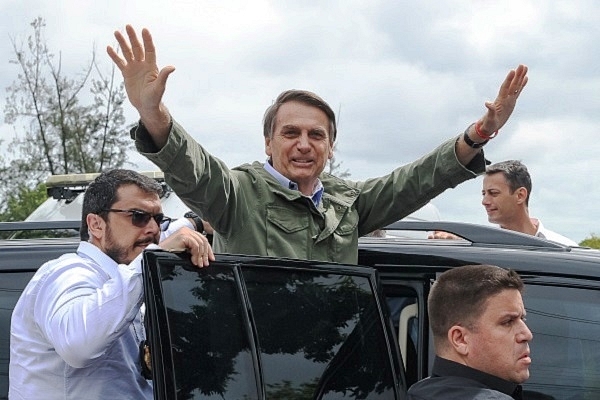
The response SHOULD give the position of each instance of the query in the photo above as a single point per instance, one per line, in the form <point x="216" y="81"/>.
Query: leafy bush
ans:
<point x="593" y="242"/>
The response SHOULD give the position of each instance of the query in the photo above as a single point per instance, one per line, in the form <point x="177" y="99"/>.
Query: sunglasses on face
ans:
<point x="141" y="218"/>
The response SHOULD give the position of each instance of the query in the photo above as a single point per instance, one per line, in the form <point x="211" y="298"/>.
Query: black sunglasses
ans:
<point x="142" y="218"/>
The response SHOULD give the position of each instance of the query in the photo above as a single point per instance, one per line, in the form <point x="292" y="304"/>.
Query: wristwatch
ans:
<point x="197" y="220"/>
<point x="470" y="142"/>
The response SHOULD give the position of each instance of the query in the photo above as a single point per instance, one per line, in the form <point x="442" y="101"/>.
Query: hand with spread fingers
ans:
<point x="144" y="83"/>
<point x="498" y="112"/>
<point x="193" y="242"/>
<point x="500" y="109"/>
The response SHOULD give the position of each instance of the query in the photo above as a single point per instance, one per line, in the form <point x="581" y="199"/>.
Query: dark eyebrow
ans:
<point x="513" y="314"/>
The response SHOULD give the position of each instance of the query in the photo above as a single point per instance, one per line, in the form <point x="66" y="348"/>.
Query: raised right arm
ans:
<point x="144" y="83"/>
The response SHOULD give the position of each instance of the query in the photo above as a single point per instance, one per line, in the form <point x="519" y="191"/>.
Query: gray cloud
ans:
<point x="404" y="75"/>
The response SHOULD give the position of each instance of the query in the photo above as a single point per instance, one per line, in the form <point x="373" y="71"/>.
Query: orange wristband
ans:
<point x="483" y="135"/>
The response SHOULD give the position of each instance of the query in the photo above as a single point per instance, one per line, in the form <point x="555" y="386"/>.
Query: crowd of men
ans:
<point x="77" y="328"/>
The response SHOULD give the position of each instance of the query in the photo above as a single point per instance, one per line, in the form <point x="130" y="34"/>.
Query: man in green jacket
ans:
<point x="288" y="207"/>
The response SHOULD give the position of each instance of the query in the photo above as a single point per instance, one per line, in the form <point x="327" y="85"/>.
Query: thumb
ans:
<point x="490" y="106"/>
<point x="164" y="74"/>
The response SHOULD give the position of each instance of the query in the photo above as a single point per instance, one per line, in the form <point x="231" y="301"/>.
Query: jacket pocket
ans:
<point x="288" y="232"/>
<point x="286" y="219"/>
<point x="345" y="238"/>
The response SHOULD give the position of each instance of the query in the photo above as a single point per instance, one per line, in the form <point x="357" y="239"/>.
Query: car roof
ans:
<point x="480" y="245"/>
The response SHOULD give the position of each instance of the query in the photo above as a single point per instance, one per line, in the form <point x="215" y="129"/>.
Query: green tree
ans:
<point x="593" y="242"/>
<point x="22" y="203"/>
<point x="60" y="134"/>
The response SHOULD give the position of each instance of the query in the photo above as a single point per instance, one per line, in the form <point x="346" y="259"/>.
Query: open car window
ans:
<point x="254" y="328"/>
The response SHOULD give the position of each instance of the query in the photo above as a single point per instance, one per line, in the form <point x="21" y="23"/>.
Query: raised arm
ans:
<point x="144" y="83"/>
<point x="496" y="116"/>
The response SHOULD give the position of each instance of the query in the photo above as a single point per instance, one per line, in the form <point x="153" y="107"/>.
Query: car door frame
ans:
<point x="158" y="326"/>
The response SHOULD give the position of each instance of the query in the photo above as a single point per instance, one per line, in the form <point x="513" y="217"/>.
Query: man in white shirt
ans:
<point x="77" y="327"/>
<point x="506" y="191"/>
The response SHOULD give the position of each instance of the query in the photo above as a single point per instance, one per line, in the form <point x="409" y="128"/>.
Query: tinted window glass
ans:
<point x="565" y="349"/>
<point x="210" y="346"/>
<point x="296" y="334"/>
<point x="320" y="335"/>
<point x="11" y="286"/>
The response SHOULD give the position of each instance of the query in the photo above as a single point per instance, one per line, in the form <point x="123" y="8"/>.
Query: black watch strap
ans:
<point x="470" y="142"/>
<point x="197" y="220"/>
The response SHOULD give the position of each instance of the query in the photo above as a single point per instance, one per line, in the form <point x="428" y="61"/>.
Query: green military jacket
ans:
<point x="252" y="213"/>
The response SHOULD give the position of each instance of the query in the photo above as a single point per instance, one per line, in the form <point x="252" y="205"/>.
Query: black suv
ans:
<point x="268" y="328"/>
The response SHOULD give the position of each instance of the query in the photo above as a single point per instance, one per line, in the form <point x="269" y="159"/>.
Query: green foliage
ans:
<point x="62" y="124"/>
<point x="20" y="204"/>
<point x="593" y="242"/>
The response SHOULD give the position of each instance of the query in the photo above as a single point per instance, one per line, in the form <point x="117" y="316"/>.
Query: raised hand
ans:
<point x="144" y="83"/>
<point x="500" y="109"/>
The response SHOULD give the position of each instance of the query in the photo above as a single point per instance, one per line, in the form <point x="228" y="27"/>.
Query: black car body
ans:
<point x="267" y="328"/>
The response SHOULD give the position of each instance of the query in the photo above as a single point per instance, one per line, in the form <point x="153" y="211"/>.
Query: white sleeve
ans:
<point x="82" y="309"/>
<point x="175" y="226"/>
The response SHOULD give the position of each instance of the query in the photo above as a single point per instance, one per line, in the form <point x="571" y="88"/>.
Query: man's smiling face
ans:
<point x="301" y="144"/>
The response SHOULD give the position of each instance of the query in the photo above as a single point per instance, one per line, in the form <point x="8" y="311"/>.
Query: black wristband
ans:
<point x="197" y="220"/>
<point x="470" y="142"/>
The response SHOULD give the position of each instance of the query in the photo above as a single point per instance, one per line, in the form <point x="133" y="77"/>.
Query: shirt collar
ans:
<point x="444" y="367"/>
<point x="318" y="190"/>
<point x="92" y="252"/>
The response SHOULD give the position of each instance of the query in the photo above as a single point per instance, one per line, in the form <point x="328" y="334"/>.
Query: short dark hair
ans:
<point x="515" y="173"/>
<point x="458" y="296"/>
<point x="101" y="194"/>
<point x="301" y="96"/>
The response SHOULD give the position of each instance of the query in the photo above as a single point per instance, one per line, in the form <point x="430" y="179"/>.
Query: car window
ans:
<point x="565" y="349"/>
<point x="210" y="349"/>
<point x="319" y="333"/>
<point x="403" y="308"/>
<point x="252" y="331"/>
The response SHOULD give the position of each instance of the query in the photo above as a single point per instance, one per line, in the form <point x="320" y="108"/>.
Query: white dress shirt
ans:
<point x="551" y="235"/>
<point x="176" y="225"/>
<point x="76" y="329"/>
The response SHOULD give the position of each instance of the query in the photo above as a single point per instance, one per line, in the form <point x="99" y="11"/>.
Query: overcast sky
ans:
<point x="403" y="75"/>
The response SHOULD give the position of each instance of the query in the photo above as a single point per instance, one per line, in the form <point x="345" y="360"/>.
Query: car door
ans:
<point x="263" y="328"/>
<point x="564" y="316"/>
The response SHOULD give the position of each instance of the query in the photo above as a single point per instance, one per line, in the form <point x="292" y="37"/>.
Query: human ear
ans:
<point x="521" y="194"/>
<point x="458" y="339"/>
<point x="96" y="225"/>
<point x="268" y="150"/>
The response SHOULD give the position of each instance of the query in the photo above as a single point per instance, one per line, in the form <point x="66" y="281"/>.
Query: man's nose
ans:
<point x="525" y="335"/>
<point x="153" y="226"/>
<point x="303" y="140"/>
